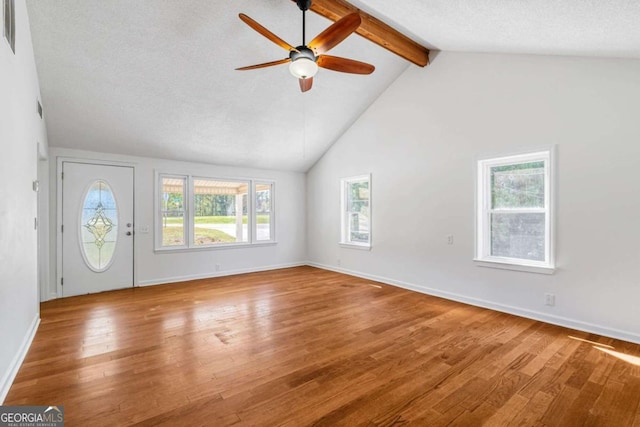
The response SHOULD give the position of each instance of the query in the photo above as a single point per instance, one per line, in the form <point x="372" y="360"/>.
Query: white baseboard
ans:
<point x="522" y="312"/>
<point x="210" y="275"/>
<point x="10" y="375"/>
<point x="52" y="295"/>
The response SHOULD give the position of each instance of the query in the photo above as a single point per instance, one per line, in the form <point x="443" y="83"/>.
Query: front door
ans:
<point x="97" y="228"/>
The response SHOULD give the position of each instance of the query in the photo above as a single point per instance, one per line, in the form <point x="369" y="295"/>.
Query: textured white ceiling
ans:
<point x="608" y="28"/>
<point x="156" y="77"/>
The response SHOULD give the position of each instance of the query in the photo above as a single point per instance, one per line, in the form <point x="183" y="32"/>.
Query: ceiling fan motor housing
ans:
<point x="302" y="52"/>
<point x="304" y="4"/>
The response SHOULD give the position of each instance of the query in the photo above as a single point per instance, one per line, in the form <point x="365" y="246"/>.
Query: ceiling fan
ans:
<point x="305" y="59"/>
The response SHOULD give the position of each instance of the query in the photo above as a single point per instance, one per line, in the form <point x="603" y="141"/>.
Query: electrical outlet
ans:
<point x="338" y="261"/>
<point x="549" y="299"/>
<point x="218" y="267"/>
<point x="450" y="239"/>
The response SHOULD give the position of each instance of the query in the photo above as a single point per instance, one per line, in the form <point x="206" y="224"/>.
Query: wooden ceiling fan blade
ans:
<point x="337" y="32"/>
<point x="266" y="33"/>
<point x="344" y="65"/>
<point x="266" y="64"/>
<point x="305" y="84"/>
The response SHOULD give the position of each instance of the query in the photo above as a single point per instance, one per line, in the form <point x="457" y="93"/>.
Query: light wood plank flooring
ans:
<point x="306" y="346"/>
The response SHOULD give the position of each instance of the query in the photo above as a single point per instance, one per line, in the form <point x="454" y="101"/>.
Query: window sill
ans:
<point x="514" y="267"/>
<point x="214" y="247"/>
<point x="355" y="246"/>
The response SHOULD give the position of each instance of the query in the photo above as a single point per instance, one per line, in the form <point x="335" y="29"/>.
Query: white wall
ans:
<point x="420" y="140"/>
<point x="162" y="267"/>
<point x="20" y="131"/>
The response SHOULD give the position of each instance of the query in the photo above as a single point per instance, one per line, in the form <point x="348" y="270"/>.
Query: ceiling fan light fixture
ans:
<point x="305" y="59"/>
<point x="303" y="68"/>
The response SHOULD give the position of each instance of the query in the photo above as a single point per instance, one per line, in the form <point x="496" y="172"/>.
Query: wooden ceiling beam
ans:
<point x="374" y="30"/>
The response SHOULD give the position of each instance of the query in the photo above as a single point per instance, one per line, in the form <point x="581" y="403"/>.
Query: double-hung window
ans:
<point x="356" y="211"/>
<point x="514" y="212"/>
<point x="264" y="211"/>
<point x="172" y="210"/>
<point x="201" y="212"/>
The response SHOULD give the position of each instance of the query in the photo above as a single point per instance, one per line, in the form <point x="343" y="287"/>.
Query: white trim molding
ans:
<point x="566" y="322"/>
<point x="211" y="275"/>
<point x="10" y="375"/>
<point x="512" y="267"/>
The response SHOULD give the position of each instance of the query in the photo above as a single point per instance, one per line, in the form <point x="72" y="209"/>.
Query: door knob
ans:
<point x="128" y="233"/>
<point x="129" y="224"/>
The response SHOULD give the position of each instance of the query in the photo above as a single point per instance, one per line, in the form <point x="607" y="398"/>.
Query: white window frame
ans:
<point x="189" y="210"/>
<point x="344" y="213"/>
<point x="483" y="255"/>
<point x="272" y="213"/>
<point x="158" y="211"/>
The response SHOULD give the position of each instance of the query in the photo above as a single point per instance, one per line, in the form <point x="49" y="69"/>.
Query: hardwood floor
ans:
<point x="306" y="346"/>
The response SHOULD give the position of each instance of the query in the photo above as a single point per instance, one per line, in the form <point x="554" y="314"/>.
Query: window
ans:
<point x="10" y="23"/>
<point x="356" y="211"/>
<point x="99" y="226"/>
<point x="172" y="211"/>
<point x="264" y="206"/>
<point x="514" y="218"/>
<point x="199" y="212"/>
<point x="220" y="211"/>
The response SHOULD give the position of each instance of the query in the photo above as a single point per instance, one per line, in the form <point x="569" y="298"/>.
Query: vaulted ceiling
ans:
<point x="156" y="78"/>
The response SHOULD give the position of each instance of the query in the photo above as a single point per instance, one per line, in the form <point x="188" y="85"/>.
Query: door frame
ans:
<point x="43" y="223"/>
<point x="59" y="254"/>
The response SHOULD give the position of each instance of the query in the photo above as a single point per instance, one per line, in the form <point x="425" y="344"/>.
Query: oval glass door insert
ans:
<point x="98" y="226"/>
